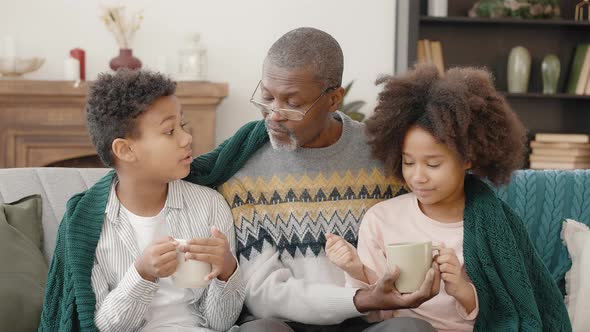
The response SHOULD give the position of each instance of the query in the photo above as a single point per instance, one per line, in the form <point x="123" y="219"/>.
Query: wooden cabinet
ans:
<point x="43" y="122"/>
<point x="486" y="42"/>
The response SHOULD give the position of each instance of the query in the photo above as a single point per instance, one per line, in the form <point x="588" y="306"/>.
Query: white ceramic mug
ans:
<point x="413" y="259"/>
<point x="189" y="273"/>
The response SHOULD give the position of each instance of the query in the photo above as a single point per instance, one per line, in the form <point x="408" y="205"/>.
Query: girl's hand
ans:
<point x="344" y="255"/>
<point x="451" y="271"/>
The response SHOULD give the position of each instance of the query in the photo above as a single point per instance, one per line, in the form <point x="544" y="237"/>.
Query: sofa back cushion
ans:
<point x="55" y="185"/>
<point x="543" y="199"/>
<point x="23" y="269"/>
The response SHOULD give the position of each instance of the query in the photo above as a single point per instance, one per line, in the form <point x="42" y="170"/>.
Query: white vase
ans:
<point x="437" y="8"/>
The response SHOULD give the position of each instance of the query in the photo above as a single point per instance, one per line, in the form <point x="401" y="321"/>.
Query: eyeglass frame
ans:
<point x="270" y="109"/>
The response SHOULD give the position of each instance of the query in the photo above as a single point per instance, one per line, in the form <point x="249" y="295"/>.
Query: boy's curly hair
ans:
<point x="461" y="109"/>
<point x="116" y="100"/>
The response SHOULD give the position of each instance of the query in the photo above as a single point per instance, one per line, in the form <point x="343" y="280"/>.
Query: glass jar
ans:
<point x="192" y="60"/>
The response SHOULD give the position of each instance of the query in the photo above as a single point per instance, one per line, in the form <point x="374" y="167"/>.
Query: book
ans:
<point x="559" y="165"/>
<point x="428" y="51"/>
<point x="559" y="145"/>
<point x="584" y="74"/>
<point x="577" y="62"/>
<point x="565" y="158"/>
<point x="437" y="56"/>
<point x="569" y="138"/>
<point x="421" y="52"/>
<point x="561" y="152"/>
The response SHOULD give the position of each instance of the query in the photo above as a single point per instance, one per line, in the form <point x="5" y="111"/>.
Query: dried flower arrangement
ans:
<point x="114" y="19"/>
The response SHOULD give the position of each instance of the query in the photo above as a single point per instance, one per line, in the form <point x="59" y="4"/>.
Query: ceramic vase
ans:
<point x="125" y="59"/>
<point x="518" y="70"/>
<point x="550" y="69"/>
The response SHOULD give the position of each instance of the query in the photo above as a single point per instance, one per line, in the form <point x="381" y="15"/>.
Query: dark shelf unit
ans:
<point x="509" y="96"/>
<point x="486" y="42"/>
<point x="509" y="21"/>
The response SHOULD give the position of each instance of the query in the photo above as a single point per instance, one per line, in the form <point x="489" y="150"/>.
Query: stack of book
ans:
<point x="579" y="78"/>
<point x="560" y="151"/>
<point x="430" y="51"/>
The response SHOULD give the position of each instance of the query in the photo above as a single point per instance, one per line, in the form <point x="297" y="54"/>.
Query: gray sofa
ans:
<point x="56" y="186"/>
<point x="541" y="198"/>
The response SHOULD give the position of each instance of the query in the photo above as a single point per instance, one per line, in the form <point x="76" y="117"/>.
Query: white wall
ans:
<point x="237" y="35"/>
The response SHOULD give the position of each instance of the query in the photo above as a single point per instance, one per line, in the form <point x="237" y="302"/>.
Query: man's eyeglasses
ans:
<point x="287" y="113"/>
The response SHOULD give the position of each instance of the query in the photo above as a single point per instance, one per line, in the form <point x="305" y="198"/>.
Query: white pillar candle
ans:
<point x="8" y="47"/>
<point x="71" y="69"/>
<point x="437" y="8"/>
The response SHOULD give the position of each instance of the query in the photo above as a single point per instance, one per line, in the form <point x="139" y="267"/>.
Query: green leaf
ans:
<point x="357" y="116"/>
<point x="352" y="107"/>
<point x="347" y="88"/>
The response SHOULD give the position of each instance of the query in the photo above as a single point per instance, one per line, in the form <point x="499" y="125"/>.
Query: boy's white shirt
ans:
<point x="170" y="304"/>
<point x="124" y="299"/>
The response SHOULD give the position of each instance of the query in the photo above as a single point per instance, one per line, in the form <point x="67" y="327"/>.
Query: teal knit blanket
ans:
<point x="515" y="290"/>
<point x="70" y="302"/>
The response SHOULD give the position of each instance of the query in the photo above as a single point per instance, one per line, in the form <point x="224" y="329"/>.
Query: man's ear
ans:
<point x="122" y="150"/>
<point x="336" y="97"/>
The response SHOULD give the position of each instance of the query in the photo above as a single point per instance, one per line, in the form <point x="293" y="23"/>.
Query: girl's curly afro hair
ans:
<point x="461" y="109"/>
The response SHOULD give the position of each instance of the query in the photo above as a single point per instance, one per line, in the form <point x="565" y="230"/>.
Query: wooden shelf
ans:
<point x="537" y="95"/>
<point x="515" y="21"/>
<point x="487" y="42"/>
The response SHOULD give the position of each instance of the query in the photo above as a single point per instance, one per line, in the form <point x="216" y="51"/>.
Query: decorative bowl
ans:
<point x="16" y="67"/>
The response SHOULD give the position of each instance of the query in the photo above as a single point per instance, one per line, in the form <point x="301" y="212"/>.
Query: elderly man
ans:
<point x="314" y="177"/>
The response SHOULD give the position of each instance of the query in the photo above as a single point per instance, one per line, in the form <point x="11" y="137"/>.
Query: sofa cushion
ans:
<point x="56" y="186"/>
<point x="577" y="280"/>
<point x="543" y="199"/>
<point x="23" y="270"/>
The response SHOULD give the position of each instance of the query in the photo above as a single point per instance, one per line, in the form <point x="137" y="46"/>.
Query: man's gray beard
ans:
<point x="285" y="147"/>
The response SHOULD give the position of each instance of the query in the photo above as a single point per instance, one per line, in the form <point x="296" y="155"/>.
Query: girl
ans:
<point x="440" y="135"/>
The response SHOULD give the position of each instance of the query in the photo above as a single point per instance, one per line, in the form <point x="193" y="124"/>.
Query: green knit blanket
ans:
<point x="70" y="302"/>
<point x="218" y="166"/>
<point x="515" y="290"/>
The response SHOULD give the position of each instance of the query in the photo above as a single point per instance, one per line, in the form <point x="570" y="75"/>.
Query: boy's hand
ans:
<point x="215" y="251"/>
<point x="344" y="255"/>
<point x="452" y="272"/>
<point x="158" y="259"/>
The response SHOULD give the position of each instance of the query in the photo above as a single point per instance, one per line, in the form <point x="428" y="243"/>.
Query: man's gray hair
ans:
<point x="309" y="48"/>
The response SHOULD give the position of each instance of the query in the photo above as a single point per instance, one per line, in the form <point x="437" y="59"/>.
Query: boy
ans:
<point x="126" y="223"/>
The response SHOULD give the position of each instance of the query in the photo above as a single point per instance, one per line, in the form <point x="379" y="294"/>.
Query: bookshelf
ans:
<point x="486" y="42"/>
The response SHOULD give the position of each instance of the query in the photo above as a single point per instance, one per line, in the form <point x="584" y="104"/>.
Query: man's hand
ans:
<point x="384" y="296"/>
<point x="344" y="255"/>
<point x="215" y="251"/>
<point x="158" y="259"/>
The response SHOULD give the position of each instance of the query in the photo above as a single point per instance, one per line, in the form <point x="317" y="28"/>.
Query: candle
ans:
<point x="9" y="47"/>
<point x="71" y="69"/>
<point x="79" y="55"/>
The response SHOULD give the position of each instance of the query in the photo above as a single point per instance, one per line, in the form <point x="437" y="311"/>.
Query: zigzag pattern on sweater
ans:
<point x="293" y="214"/>
<point x="293" y="235"/>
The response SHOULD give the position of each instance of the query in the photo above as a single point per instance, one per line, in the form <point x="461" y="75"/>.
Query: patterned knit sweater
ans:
<point x="283" y="204"/>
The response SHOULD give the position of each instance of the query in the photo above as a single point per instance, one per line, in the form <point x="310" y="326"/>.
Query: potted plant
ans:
<point x="352" y="108"/>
